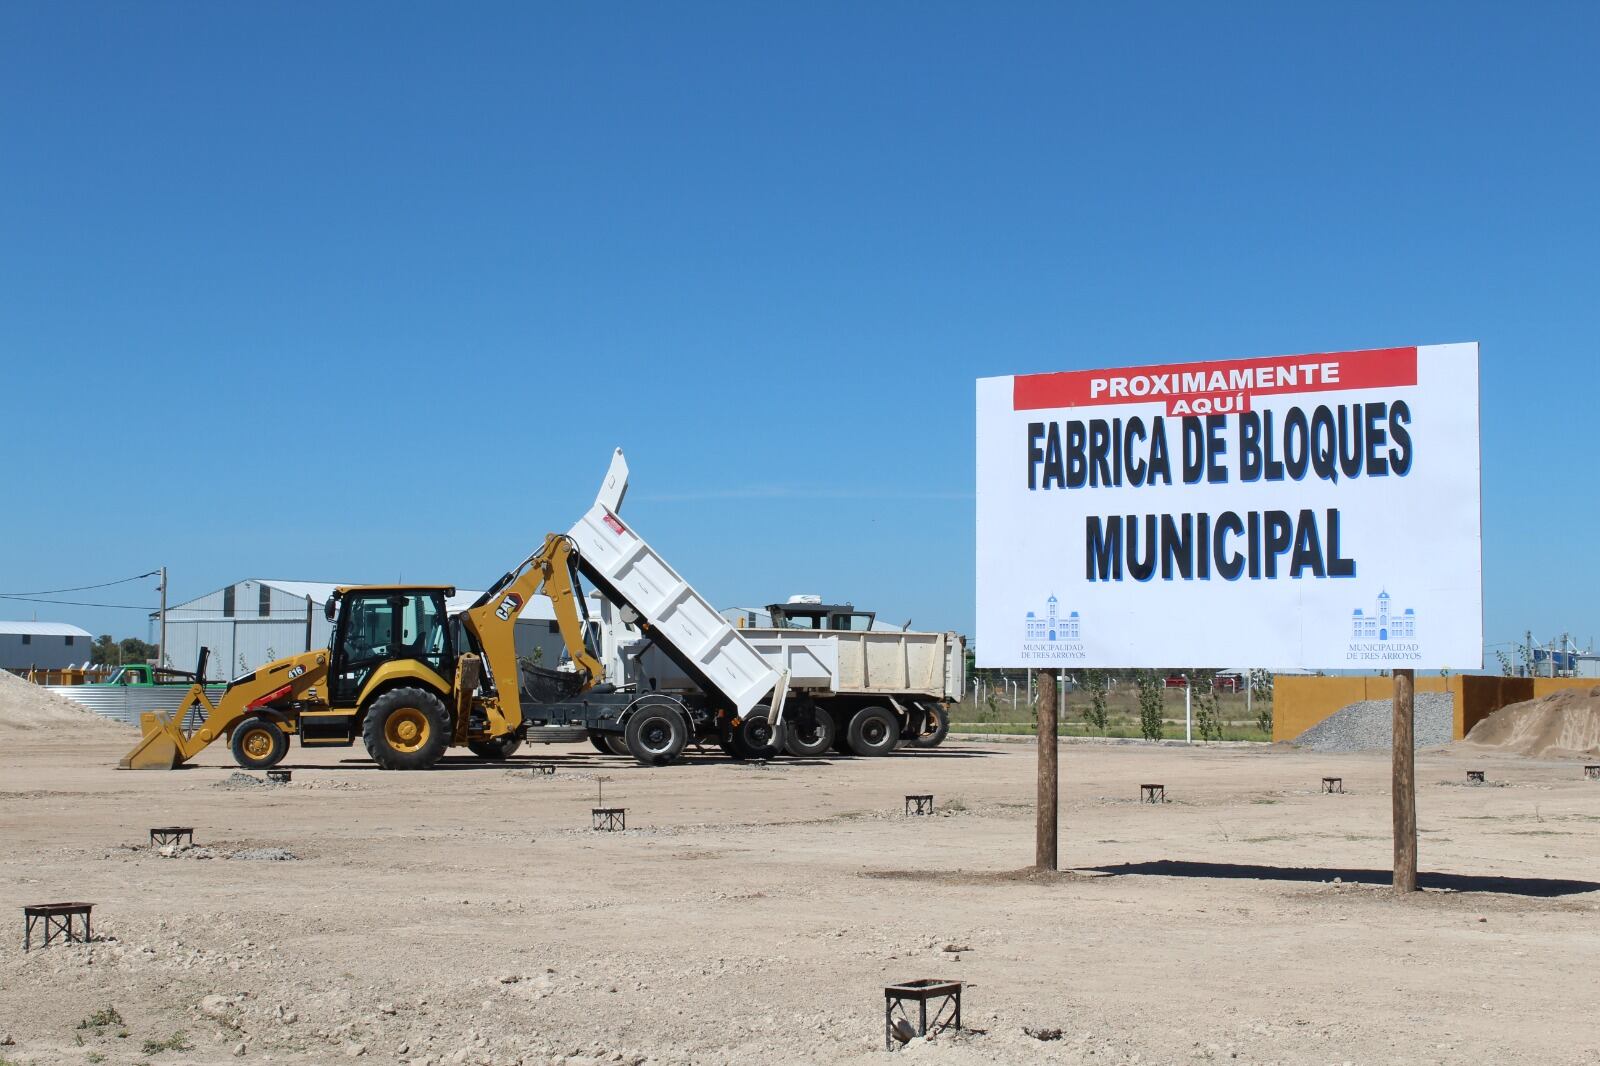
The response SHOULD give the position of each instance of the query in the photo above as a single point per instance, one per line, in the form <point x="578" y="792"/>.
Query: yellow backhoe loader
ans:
<point x="409" y="680"/>
<point x="398" y="673"/>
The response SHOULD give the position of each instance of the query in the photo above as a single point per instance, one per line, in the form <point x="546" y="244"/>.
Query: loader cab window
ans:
<point x="380" y="626"/>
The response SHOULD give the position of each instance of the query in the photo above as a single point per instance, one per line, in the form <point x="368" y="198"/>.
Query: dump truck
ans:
<point x="410" y="681"/>
<point x="853" y="688"/>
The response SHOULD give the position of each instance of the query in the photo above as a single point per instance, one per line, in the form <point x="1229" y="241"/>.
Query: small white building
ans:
<point x="43" y="645"/>
<point x="257" y="620"/>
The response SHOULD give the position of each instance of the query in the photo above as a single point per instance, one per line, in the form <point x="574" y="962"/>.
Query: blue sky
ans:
<point x="351" y="292"/>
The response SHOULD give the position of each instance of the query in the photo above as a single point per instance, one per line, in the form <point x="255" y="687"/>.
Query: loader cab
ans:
<point x="374" y="625"/>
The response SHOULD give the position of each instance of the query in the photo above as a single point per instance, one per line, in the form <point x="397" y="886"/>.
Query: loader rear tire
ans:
<point x="496" y="749"/>
<point x="656" y="735"/>
<point x="599" y="742"/>
<point x="874" y="731"/>
<point x="258" y="743"/>
<point x="617" y="745"/>
<point x="406" y="729"/>
<point x="807" y="740"/>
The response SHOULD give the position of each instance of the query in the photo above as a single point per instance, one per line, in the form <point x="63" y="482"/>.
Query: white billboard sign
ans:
<point x="1316" y="511"/>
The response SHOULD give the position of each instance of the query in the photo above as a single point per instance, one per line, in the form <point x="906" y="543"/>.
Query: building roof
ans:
<point x="43" y="629"/>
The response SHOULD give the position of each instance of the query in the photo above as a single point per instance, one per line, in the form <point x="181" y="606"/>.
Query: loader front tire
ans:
<point x="406" y="729"/>
<point x="258" y="744"/>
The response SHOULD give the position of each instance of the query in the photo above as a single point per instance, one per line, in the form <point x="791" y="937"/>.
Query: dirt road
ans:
<point x="753" y="915"/>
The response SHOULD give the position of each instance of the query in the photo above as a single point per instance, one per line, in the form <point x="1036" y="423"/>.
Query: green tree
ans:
<point x="107" y="651"/>
<point x="1151" y="688"/>
<point x="1207" y="712"/>
<point x="1260" y="683"/>
<point x="1095" y="715"/>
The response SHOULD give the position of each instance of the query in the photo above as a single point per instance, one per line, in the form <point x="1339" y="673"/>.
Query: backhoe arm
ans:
<point x="493" y="623"/>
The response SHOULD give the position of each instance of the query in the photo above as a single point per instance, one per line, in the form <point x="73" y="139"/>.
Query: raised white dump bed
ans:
<point x="683" y="625"/>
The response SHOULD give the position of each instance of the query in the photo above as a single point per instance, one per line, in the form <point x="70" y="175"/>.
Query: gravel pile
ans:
<point x="1369" y="725"/>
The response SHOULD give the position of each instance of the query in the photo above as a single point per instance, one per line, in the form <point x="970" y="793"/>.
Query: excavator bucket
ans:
<point x="158" y="748"/>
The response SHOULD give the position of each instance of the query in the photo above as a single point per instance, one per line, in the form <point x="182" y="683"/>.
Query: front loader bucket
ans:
<point x="158" y="748"/>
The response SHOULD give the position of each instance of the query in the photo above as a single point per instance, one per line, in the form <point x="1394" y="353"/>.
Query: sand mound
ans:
<point x="25" y="706"/>
<point x="1562" y="723"/>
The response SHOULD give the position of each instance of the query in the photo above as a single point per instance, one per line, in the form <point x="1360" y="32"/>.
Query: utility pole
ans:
<point x="1405" y="783"/>
<point x="1044" y="844"/>
<point x="161" y="648"/>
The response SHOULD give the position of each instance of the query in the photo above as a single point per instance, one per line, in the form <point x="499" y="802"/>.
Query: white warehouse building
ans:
<point x="45" y="645"/>
<point x="257" y="620"/>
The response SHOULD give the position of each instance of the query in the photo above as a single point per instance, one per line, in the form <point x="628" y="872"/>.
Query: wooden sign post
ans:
<point x="1044" y="849"/>
<point x="1405" y="782"/>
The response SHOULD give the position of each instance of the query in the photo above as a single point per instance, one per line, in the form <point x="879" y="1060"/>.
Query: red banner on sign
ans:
<point x="1218" y="387"/>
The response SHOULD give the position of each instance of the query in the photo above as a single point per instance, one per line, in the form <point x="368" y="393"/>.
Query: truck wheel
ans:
<point x="755" y="738"/>
<point x="258" y="743"/>
<point x="496" y="749"/>
<point x="599" y="742"/>
<point x="874" y="731"/>
<point x="656" y="735"/>
<point x="406" y="729"/>
<point x="808" y="739"/>
<point x="616" y="744"/>
<point x="935" y="729"/>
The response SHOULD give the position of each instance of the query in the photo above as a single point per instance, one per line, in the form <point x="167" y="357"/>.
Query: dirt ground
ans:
<point x="754" y="914"/>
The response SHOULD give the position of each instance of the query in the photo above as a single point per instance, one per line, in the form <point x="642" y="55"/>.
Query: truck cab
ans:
<point x="809" y="612"/>
<point x="135" y="674"/>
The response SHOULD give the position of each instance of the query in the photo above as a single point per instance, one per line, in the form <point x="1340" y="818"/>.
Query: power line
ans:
<point x="76" y="603"/>
<point x="78" y="588"/>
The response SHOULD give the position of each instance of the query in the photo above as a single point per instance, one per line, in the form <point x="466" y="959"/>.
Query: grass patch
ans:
<point x="102" y="1019"/>
<point x="175" y="1042"/>
<point x="975" y="723"/>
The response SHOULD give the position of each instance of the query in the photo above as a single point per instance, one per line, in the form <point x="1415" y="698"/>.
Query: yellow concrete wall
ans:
<point x="1300" y="702"/>
<point x="1543" y="686"/>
